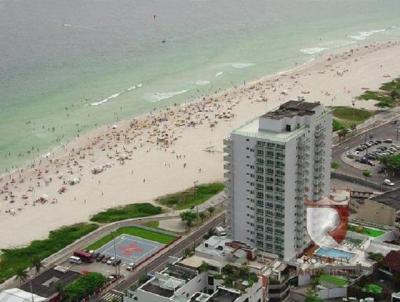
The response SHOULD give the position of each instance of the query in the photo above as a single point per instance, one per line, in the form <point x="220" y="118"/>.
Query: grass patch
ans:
<point x="125" y="212"/>
<point x="21" y="258"/>
<point x="372" y="288"/>
<point x="353" y="114"/>
<point x="134" y="231"/>
<point x="364" y="230"/>
<point x="191" y="197"/>
<point x="336" y="280"/>
<point x="388" y="94"/>
<point x="337" y="125"/>
<point x="347" y="117"/>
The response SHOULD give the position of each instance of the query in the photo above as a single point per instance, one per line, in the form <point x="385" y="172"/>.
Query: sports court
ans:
<point x="130" y="248"/>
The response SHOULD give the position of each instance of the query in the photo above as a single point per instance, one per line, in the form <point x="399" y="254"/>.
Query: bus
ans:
<point x="84" y="256"/>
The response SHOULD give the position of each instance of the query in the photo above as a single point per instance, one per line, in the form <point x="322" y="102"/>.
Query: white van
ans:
<point x="74" y="259"/>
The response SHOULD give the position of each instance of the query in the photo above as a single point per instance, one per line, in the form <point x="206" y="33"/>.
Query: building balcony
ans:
<point x="227" y="145"/>
<point x="227" y="157"/>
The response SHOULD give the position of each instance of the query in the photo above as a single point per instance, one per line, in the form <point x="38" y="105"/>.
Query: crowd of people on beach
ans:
<point x="158" y="130"/>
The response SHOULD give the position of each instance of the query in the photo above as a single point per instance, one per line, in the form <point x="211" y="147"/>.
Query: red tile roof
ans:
<point x="392" y="261"/>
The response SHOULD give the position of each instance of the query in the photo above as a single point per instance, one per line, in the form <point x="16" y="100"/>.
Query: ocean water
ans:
<point x="67" y="66"/>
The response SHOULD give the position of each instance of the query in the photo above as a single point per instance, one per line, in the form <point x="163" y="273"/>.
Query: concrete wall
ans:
<point x="144" y="296"/>
<point x="197" y="284"/>
<point x="332" y="293"/>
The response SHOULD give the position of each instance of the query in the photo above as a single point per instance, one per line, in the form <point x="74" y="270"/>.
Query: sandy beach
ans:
<point x="169" y="150"/>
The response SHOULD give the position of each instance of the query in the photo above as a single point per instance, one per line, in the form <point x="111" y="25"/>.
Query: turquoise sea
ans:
<point x="67" y="66"/>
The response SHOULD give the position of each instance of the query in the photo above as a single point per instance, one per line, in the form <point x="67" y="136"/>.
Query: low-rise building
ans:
<point x="220" y="270"/>
<point x="381" y="209"/>
<point x="392" y="262"/>
<point x="19" y="295"/>
<point x="46" y="284"/>
<point x="396" y="297"/>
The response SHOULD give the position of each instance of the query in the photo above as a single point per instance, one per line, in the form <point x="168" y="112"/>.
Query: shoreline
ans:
<point x="53" y="150"/>
<point x="169" y="149"/>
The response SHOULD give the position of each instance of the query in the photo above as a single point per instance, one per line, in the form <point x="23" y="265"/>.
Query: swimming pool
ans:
<point x="334" y="253"/>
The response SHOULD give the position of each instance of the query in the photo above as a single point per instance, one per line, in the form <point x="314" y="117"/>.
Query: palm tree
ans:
<point x="211" y="210"/>
<point x="188" y="217"/>
<point x="37" y="264"/>
<point x="202" y="216"/>
<point x="21" y="275"/>
<point x="60" y="289"/>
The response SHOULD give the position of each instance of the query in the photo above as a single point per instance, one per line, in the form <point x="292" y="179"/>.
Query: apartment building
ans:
<point x="273" y="164"/>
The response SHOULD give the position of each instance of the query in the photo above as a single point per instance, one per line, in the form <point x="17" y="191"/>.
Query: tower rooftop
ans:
<point x="292" y="108"/>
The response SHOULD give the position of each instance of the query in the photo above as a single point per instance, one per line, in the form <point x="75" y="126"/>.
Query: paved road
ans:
<point x="159" y="261"/>
<point x="385" y="131"/>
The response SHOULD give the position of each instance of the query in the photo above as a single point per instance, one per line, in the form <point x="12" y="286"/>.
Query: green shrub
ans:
<point x="388" y="94"/>
<point x="126" y="212"/>
<point x="13" y="260"/>
<point x="191" y="197"/>
<point x="83" y="287"/>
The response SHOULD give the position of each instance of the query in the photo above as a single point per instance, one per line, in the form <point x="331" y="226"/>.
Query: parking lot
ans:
<point x="118" y="256"/>
<point x="366" y="156"/>
<point x="370" y="152"/>
<point x="362" y="152"/>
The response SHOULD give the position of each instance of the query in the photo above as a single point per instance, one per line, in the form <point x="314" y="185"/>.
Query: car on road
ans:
<point x="130" y="267"/>
<point x="100" y="257"/>
<point x="116" y="262"/>
<point x="105" y="259"/>
<point x="111" y="260"/>
<point x="371" y="157"/>
<point x="388" y="141"/>
<point x="365" y="160"/>
<point x="388" y="182"/>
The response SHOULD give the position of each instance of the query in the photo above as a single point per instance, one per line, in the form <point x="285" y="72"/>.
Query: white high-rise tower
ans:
<point x="273" y="163"/>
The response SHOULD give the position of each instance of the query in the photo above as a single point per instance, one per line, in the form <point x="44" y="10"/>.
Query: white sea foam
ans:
<point x="218" y="74"/>
<point x="113" y="96"/>
<point x="202" y="83"/>
<point x="313" y="50"/>
<point x="242" y="65"/>
<point x="362" y="35"/>
<point x="336" y="43"/>
<point x="100" y="102"/>
<point x="160" y="96"/>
